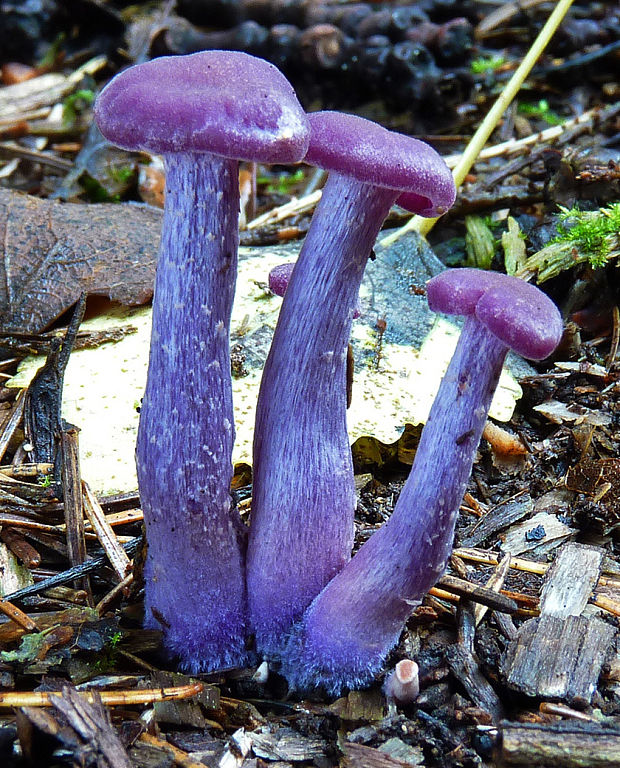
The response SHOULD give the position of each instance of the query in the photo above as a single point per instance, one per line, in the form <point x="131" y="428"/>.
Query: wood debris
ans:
<point x="559" y="655"/>
<point x="566" y="745"/>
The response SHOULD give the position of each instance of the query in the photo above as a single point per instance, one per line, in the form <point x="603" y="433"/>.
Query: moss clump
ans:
<point x="593" y="233"/>
<point x="591" y="237"/>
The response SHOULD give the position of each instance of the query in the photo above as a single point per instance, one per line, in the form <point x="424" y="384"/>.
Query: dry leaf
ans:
<point x="52" y="252"/>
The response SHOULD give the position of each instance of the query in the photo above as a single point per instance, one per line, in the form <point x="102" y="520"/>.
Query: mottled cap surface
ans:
<point x="518" y="313"/>
<point x="370" y="153"/>
<point x="224" y="102"/>
<point x="279" y="277"/>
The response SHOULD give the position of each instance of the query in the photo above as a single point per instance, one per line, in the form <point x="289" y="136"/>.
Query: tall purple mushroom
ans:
<point x="203" y="112"/>
<point x="303" y="491"/>
<point x="346" y="633"/>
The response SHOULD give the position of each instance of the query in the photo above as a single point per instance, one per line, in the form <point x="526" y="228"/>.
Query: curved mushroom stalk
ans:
<point x="348" y="630"/>
<point x="303" y="500"/>
<point x="195" y="561"/>
<point x="346" y="633"/>
<point x="303" y="489"/>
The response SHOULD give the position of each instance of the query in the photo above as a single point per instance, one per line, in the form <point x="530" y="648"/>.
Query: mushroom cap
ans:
<point x="370" y="153"/>
<point x="280" y="276"/>
<point x="224" y="102"/>
<point x="518" y="313"/>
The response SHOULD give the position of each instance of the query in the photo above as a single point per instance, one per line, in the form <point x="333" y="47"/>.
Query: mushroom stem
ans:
<point x="346" y="633"/>
<point x="194" y="573"/>
<point x="303" y="490"/>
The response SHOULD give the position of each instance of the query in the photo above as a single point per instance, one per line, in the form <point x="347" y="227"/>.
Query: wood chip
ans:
<point x="361" y="756"/>
<point x="561" y="413"/>
<point x="92" y="723"/>
<point x="563" y="745"/>
<point x="286" y="744"/>
<point x="560" y="654"/>
<point x="561" y="659"/>
<point x="498" y="518"/>
<point x="107" y="538"/>
<point x="466" y="670"/>
<point x="541" y="533"/>
<point x="72" y="490"/>
<point x="570" y="581"/>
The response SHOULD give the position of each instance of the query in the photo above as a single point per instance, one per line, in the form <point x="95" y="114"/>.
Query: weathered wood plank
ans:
<point x="570" y="580"/>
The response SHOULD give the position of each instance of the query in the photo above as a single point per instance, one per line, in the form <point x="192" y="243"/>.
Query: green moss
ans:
<point x="591" y="237"/>
<point x="541" y="110"/>
<point x="107" y="658"/>
<point x="486" y="64"/>
<point x="122" y="174"/>
<point x="591" y="232"/>
<point x="282" y="183"/>
<point x="75" y="104"/>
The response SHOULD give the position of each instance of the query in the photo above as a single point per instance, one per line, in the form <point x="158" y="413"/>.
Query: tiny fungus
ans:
<point x="345" y="634"/>
<point x="402" y="685"/>
<point x="203" y="112"/>
<point x="303" y="502"/>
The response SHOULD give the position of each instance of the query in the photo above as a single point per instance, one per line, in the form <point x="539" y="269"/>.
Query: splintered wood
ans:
<point x="570" y="745"/>
<point x="559" y="655"/>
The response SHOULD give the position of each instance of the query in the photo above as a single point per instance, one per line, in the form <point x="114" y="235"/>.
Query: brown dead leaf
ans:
<point x="370" y="452"/>
<point x="51" y="252"/>
<point x="595" y="477"/>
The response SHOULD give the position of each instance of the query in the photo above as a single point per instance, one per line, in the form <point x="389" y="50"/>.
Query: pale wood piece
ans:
<point x="571" y="580"/>
<point x="562" y="745"/>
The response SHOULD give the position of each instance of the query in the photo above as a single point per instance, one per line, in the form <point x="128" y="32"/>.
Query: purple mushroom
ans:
<point x="346" y="633"/>
<point x="279" y="277"/>
<point x="203" y="112"/>
<point x="303" y="490"/>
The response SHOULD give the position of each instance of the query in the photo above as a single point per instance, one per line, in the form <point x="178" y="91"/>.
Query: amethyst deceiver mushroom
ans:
<point x="279" y="277"/>
<point x="303" y="497"/>
<point x="346" y="633"/>
<point x="203" y="112"/>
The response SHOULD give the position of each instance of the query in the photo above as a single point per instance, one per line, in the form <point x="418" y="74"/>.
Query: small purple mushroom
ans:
<point x="346" y="633"/>
<point x="303" y="489"/>
<point x="279" y="277"/>
<point x="203" y="112"/>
